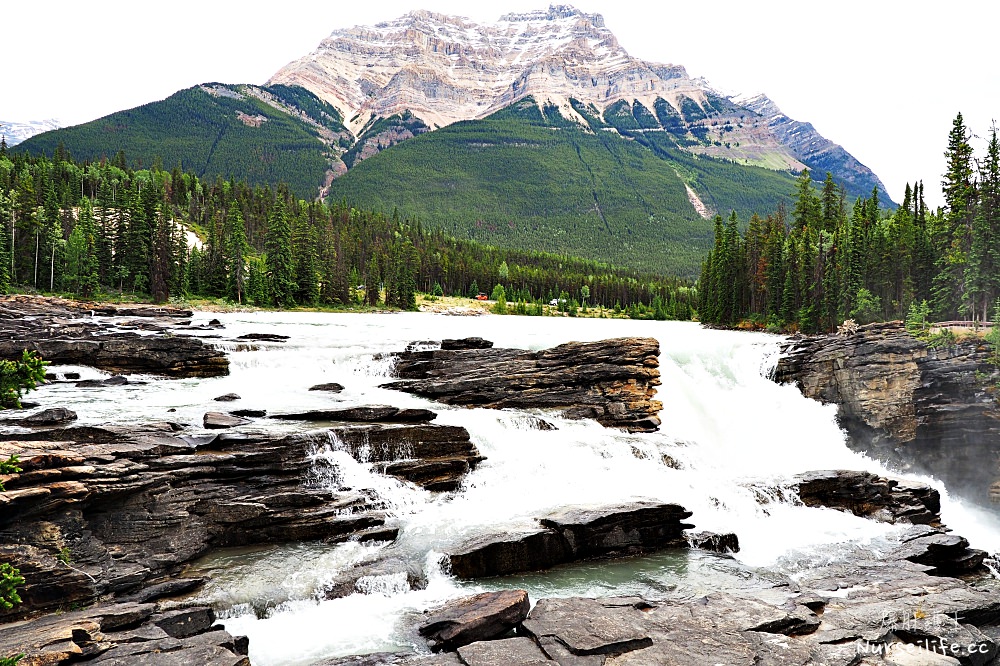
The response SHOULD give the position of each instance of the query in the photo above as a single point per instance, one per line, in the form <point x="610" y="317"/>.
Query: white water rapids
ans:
<point x="730" y="440"/>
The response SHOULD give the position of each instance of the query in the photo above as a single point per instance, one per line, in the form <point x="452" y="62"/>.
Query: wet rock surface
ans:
<point x="870" y="496"/>
<point x="611" y="381"/>
<point x="573" y="534"/>
<point x="476" y="618"/>
<point x="123" y="634"/>
<point x="101" y="511"/>
<point x="929" y="409"/>
<point x="66" y="332"/>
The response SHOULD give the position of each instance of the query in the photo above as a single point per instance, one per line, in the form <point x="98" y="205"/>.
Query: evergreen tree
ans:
<point x="238" y="251"/>
<point x="280" y="264"/>
<point x="952" y="241"/>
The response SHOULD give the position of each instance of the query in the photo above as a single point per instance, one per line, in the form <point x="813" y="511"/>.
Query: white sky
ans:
<point x="884" y="78"/>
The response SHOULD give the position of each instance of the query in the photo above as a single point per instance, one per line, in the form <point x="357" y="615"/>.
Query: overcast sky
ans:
<point x="884" y="78"/>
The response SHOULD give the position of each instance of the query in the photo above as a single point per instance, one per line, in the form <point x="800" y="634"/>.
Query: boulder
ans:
<point x="227" y="397"/>
<point x="115" y="380"/>
<point x="432" y="456"/>
<point x="870" y="496"/>
<point x="573" y="534"/>
<point x="49" y="417"/>
<point x="464" y="343"/>
<point x="509" y="552"/>
<point x="218" y="421"/>
<point x="331" y="387"/>
<point x="476" y="618"/>
<point x="718" y="543"/>
<point x="612" y="381"/>
<point x="620" y="529"/>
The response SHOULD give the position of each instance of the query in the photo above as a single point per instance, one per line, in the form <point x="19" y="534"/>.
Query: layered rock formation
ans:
<point x="104" y="337"/>
<point x="440" y="69"/>
<point x="574" y="534"/>
<point x="929" y="409"/>
<point x="612" y="381"/>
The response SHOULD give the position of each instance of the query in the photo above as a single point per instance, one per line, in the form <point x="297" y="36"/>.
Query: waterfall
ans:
<point x="730" y="442"/>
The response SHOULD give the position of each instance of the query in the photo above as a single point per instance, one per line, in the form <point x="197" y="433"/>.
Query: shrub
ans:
<point x="10" y="580"/>
<point x="19" y="377"/>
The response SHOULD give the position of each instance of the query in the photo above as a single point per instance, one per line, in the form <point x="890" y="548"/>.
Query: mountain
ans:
<point x="443" y="69"/>
<point x="262" y="134"/>
<point x="538" y="131"/>
<point x="15" y="133"/>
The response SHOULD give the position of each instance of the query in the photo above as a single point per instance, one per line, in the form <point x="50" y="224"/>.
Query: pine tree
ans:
<point x="808" y="212"/>
<point x="952" y="239"/>
<point x="238" y="251"/>
<point x="280" y="263"/>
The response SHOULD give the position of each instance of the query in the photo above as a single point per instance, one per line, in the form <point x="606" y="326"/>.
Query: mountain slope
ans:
<point x="260" y="134"/>
<point x="527" y="178"/>
<point x="443" y="69"/>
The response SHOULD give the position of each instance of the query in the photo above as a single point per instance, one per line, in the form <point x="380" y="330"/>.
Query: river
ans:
<point x="730" y="440"/>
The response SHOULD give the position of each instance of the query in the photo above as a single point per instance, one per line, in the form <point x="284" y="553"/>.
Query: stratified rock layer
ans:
<point x="930" y="409"/>
<point x="76" y="334"/>
<point x="612" y="381"/>
<point x="128" y="509"/>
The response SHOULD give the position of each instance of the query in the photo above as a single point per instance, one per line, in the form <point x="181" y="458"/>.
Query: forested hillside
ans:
<point x="260" y="135"/>
<point x="827" y="261"/>
<point x="100" y="227"/>
<point x="526" y="178"/>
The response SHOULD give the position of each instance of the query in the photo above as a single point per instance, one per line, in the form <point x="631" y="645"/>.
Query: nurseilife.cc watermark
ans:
<point x="919" y="632"/>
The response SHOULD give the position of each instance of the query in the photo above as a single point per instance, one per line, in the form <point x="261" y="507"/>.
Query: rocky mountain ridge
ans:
<point x="444" y="69"/>
<point x="16" y="132"/>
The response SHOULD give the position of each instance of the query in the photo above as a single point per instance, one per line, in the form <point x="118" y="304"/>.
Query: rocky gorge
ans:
<point x="919" y="406"/>
<point x="104" y="521"/>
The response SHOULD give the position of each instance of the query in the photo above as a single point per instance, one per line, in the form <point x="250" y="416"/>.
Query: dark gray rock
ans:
<point x="331" y="387"/>
<point x="871" y="496"/>
<point x="587" y="627"/>
<point x="228" y="397"/>
<point x="466" y="343"/>
<point x="366" y="414"/>
<point x="476" y="618"/>
<point x="185" y="622"/>
<point x="218" y="421"/>
<point x="249" y="413"/>
<point x="612" y="381"/>
<point x="621" y="529"/>
<point x="718" y="543"/>
<point x="520" y="651"/>
<point x="50" y="417"/>
<point x="509" y="552"/>
<point x="264" y="337"/>
<point x="114" y="380"/>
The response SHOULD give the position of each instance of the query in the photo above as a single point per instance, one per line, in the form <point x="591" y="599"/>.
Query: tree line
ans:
<point x="98" y="228"/>
<point x="828" y="261"/>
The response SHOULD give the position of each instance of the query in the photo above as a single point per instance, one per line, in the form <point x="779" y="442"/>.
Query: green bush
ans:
<point x="10" y="580"/>
<point x="19" y="377"/>
<point x="9" y="466"/>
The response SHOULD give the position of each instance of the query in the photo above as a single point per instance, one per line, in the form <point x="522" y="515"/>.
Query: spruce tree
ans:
<point x="237" y="251"/>
<point x="953" y="236"/>
<point x="280" y="263"/>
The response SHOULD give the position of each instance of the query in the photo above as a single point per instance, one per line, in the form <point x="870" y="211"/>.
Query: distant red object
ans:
<point x="482" y="297"/>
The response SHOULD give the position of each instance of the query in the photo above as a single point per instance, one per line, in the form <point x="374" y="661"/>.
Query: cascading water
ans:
<point x="730" y="440"/>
